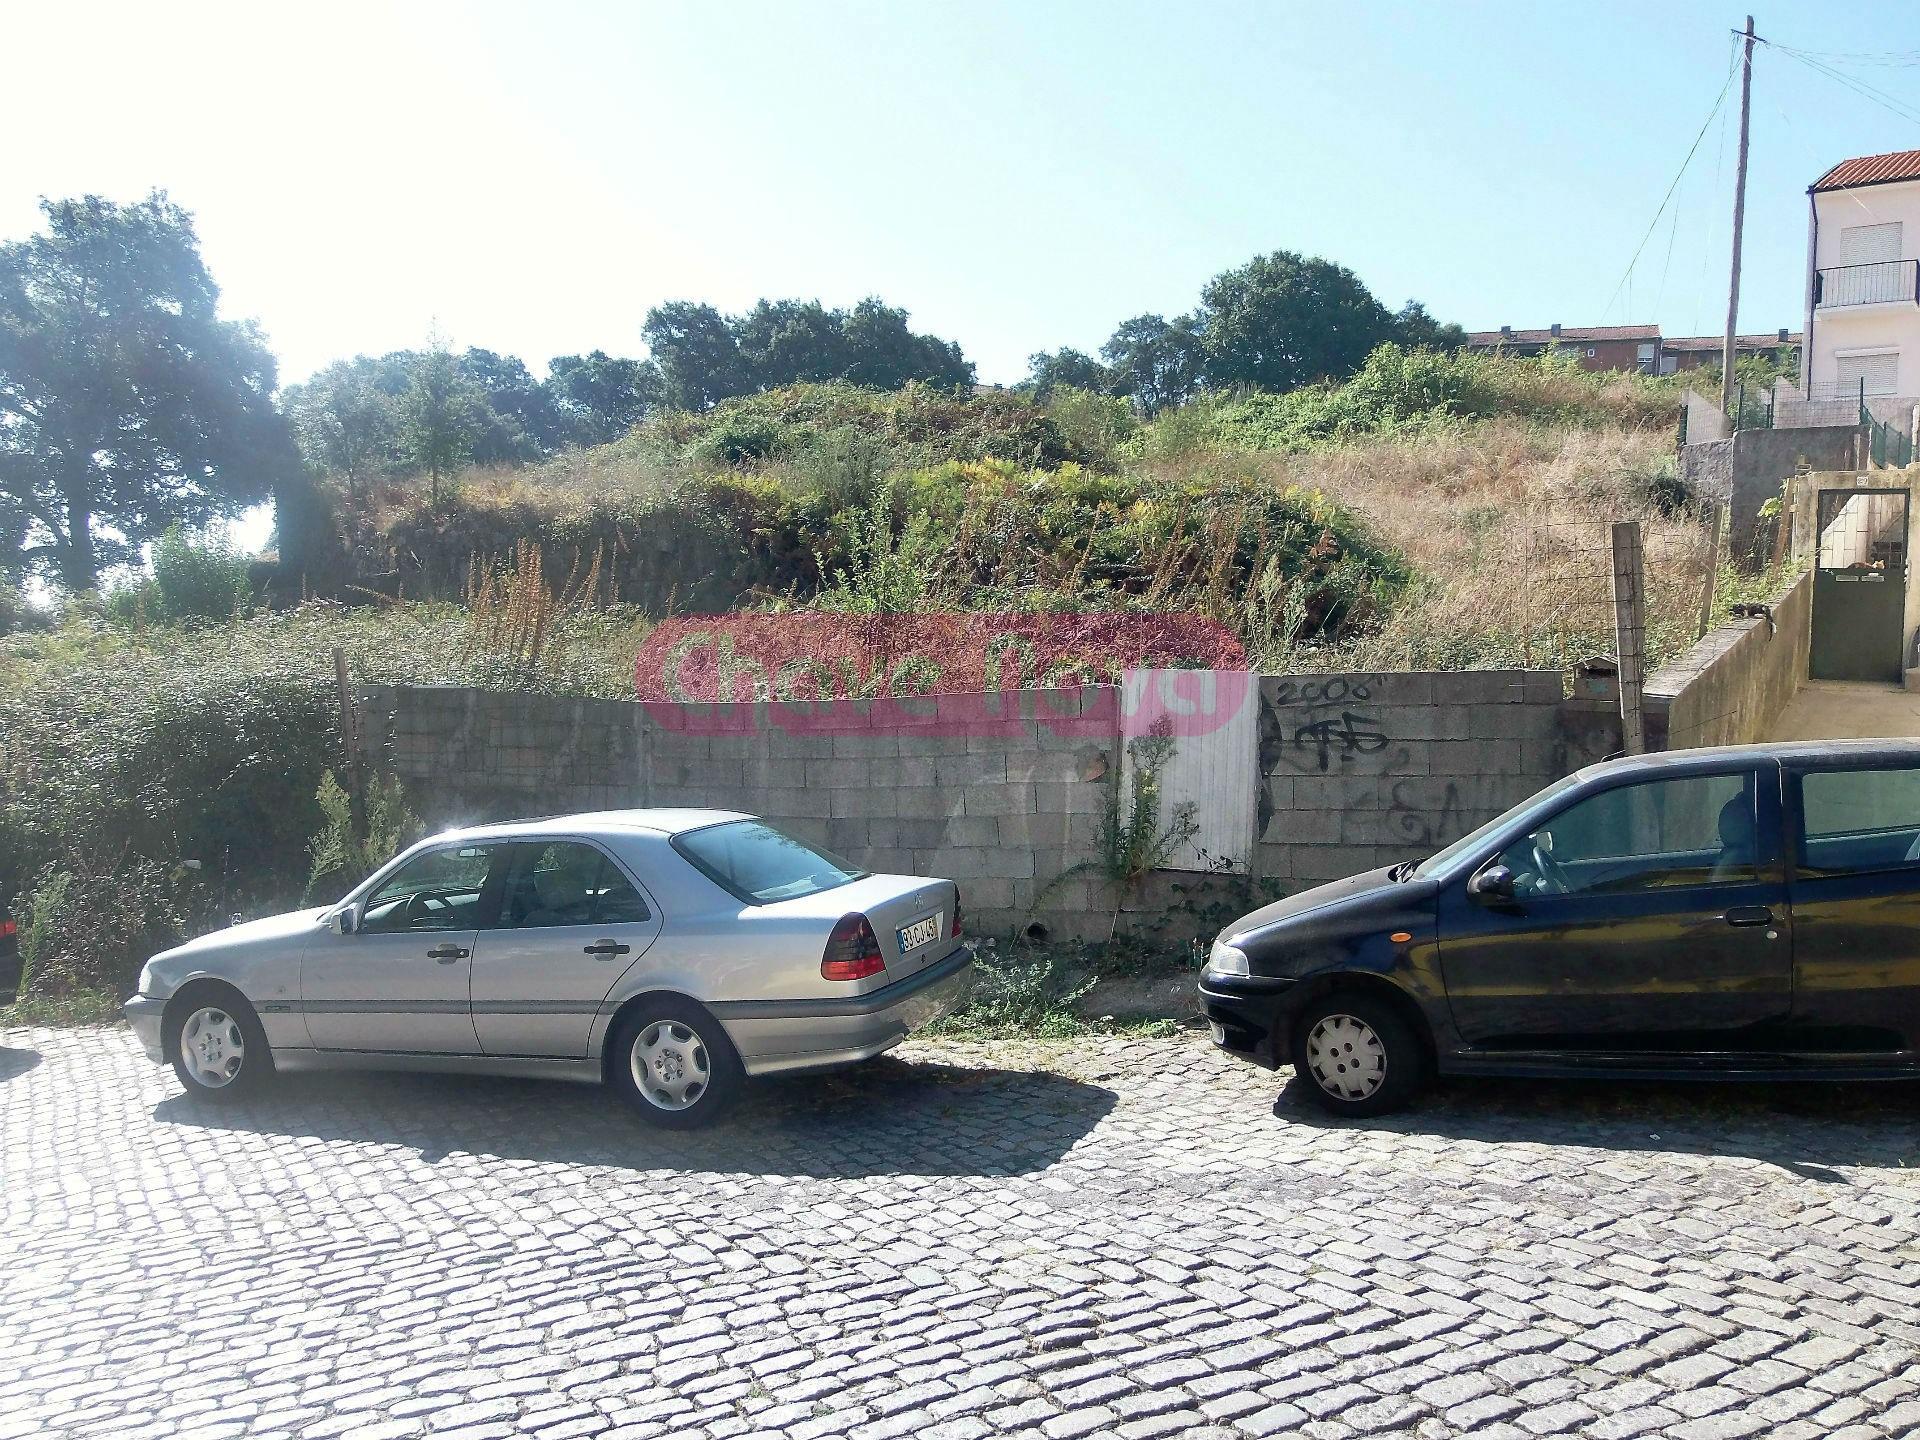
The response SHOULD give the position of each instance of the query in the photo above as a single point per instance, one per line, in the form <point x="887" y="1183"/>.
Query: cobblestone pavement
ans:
<point x="1125" y="1237"/>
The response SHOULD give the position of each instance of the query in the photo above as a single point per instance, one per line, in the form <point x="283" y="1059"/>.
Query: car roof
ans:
<point x="598" y="822"/>
<point x="1788" y="752"/>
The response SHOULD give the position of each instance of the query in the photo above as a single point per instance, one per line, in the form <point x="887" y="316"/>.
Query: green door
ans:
<point x="1860" y="586"/>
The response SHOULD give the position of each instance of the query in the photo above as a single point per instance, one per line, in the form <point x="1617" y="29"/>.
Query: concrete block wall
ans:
<point x="1354" y="771"/>
<point x="1370" y="769"/>
<point x="1733" y="683"/>
<point x="467" y="756"/>
<point x="1003" y="808"/>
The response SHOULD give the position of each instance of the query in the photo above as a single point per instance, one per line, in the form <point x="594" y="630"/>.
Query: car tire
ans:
<point x="671" y="1061"/>
<point x="218" y="1047"/>
<point x="1357" y="1055"/>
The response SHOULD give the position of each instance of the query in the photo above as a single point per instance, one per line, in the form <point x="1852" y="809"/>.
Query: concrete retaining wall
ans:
<point x="1729" y="688"/>
<point x="1353" y="771"/>
<point x="1364" y="770"/>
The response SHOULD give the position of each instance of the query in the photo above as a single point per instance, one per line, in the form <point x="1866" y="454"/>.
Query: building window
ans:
<point x="1877" y="373"/>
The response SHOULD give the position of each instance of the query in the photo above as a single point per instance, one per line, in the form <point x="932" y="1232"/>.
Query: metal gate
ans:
<point x="1860" y="585"/>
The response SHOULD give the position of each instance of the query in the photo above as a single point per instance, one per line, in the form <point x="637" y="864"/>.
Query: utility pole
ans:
<point x="1739" y="223"/>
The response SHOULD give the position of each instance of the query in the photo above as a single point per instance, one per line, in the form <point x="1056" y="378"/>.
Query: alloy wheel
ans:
<point x="670" y="1065"/>
<point x="212" y="1047"/>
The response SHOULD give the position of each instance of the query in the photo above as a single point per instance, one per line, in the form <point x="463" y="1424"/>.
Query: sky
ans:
<point x="1019" y="176"/>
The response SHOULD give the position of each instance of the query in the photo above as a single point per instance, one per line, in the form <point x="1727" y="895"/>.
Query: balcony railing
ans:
<point x="1888" y="282"/>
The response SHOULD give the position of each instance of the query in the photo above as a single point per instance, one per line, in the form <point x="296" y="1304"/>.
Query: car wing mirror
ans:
<point x="1493" y="883"/>
<point x="345" y="920"/>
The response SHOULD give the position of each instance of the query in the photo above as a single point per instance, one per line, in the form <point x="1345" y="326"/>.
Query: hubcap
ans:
<point x="670" y="1065"/>
<point x="1346" y="1057"/>
<point x="212" y="1048"/>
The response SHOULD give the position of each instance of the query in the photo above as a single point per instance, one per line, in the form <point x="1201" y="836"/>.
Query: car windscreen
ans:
<point x="760" y="865"/>
<point x="1441" y="859"/>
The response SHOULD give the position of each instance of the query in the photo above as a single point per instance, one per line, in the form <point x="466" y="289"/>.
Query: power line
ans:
<point x="1853" y="83"/>
<point x="1692" y="149"/>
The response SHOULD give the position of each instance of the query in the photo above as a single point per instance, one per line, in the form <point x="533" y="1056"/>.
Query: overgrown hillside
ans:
<point x="1436" y="511"/>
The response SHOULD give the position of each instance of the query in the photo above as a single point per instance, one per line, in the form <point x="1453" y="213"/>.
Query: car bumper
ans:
<point x="780" y="1036"/>
<point x="143" y="1014"/>
<point x="1250" y="1015"/>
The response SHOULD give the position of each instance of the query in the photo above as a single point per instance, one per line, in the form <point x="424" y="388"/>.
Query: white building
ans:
<point x="1863" y="294"/>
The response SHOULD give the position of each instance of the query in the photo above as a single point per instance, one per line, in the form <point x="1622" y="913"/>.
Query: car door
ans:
<point x="400" y="981"/>
<point x="1649" y="915"/>
<point x="570" y="921"/>
<point x="1855" y="883"/>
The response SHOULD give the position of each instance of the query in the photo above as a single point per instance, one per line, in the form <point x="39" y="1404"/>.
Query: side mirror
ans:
<point x="1493" y="883"/>
<point x="345" y="920"/>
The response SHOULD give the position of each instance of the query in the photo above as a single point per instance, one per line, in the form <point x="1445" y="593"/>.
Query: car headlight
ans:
<point x="1224" y="959"/>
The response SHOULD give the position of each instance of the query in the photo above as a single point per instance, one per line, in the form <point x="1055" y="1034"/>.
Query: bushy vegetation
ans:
<point x="1401" y="393"/>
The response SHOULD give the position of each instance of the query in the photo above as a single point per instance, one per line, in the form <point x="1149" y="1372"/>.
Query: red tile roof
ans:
<point x="1871" y="170"/>
<point x="1567" y="333"/>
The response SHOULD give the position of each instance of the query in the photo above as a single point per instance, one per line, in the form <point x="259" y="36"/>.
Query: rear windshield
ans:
<point x="760" y="865"/>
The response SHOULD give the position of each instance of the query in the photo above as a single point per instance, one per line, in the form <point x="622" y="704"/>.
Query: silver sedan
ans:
<point x="668" y="953"/>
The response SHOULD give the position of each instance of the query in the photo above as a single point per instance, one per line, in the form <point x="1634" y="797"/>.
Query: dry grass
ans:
<point x="1507" y="526"/>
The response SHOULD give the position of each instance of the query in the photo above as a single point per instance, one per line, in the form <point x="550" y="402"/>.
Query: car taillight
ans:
<point x="853" y="951"/>
<point x="6" y="929"/>
<point x="958" y="931"/>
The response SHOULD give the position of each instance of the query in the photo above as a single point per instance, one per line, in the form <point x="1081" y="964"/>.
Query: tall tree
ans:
<point x="347" y="424"/>
<point x="600" y="397"/>
<point x="1285" y="320"/>
<point x="1048" y="370"/>
<point x="1155" y="362"/>
<point x="127" y="406"/>
<point x="441" y="414"/>
<point x="698" y="354"/>
<point x="883" y="353"/>
<point x="516" y="421"/>
<point x="1414" y="328"/>
<point x="783" y="341"/>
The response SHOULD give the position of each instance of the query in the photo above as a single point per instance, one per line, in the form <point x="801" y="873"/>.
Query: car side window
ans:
<point x="439" y="890"/>
<point x="1859" y="820"/>
<point x="563" y="882"/>
<point x="1687" y="830"/>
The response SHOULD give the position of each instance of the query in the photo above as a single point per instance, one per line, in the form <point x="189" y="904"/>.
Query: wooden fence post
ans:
<point x="350" y="740"/>
<point x="1630" y="631"/>
<point x="1713" y="567"/>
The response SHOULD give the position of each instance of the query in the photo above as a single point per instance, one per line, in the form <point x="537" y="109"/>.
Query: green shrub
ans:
<point x="90" y="928"/>
<point x="198" y="580"/>
<point x="1408" y="393"/>
<point x="344" y="853"/>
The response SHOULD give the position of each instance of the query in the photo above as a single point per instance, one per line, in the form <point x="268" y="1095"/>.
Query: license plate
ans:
<point x="921" y="932"/>
<point x="1219" y="1032"/>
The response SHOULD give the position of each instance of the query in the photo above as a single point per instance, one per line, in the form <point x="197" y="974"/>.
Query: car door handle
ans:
<point x="447" y="954"/>
<point x="1749" y="915"/>
<point x="606" y="949"/>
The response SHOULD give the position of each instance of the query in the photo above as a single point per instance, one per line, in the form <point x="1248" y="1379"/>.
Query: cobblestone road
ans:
<point x="1104" y="1237"/>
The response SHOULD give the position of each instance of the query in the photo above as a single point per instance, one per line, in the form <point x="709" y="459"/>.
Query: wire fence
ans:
<point x="1563" y="593"/>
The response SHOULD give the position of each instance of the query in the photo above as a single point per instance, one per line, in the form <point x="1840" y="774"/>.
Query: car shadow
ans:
<point x="884" y="1117"/>
<point x="15" y="1063"/>
<point x="1805" y="1128"/>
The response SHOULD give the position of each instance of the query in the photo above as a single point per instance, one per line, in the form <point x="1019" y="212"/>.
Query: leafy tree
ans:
<point x="787" y="340"/>
<point x="1284" y="320"/>
<point x="516" y="420"/>
<point x="1050" y="370"/>
<point x="1415" y="329"/>
<point x="706" y="357"/>
<point x="347" y="423"/>
<point x="599" y="397"/>
<point x="884" y="354"/>
<point x="441" y="414"/>
<point x="1159" y="364"/>
<point x="127" y="406"/>
<point x="698" y="355"/>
